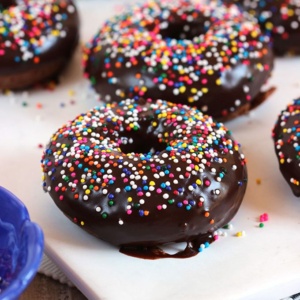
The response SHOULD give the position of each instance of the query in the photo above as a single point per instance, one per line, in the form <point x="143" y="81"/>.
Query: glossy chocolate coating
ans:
<point x="4" y="4"/>
<point x="142" y="174"/>
<point x="41" y="45"/>
<point x="280" y="20"/>
<point x="286" y="140"/>
<point x="206" y="55"/>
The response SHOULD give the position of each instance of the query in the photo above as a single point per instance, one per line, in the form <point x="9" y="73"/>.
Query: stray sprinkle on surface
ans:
<point x="228" y="226"/>
<point x="241" y="233"/>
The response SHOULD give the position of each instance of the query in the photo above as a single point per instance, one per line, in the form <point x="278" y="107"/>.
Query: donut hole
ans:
<point x="5" y="4"/>
<point x="141" y="143"/>
<point x="182" y="30"/>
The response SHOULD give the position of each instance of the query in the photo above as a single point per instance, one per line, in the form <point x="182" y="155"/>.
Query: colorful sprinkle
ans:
<point x="26" y="28"/>
<point x="286" y="136"/>
<point x="241" y="233"/>
<point x="191" y="62"/>
<point x="279" y="19"/>
<point x="105" y="163"/>
<point x="264" y="217"/>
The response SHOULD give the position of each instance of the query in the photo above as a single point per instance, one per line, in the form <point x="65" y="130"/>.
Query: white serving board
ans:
<point x="265" y="264"/>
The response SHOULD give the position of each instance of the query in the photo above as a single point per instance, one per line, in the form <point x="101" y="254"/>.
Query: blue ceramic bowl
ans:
<point x="21" y="246"/>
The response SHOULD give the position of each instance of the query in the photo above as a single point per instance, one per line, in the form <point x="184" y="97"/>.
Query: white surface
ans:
<point x="265" y="264"/>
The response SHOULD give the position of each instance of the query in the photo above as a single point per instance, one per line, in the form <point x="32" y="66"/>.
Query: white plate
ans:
<point x="265" y="264"/>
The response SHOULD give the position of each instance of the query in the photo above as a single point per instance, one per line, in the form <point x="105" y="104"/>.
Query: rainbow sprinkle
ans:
<point x="137" y="54"/>
<point x="286" y="134"/>
<point x="29" y="27"/>
<point x="96" y="154"/>
<point x="278" y="19"/>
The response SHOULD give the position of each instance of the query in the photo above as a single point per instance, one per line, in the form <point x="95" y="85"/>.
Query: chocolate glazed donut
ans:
<point x="37" y="39"/>
<point x="278" y="19"/>
<point x="203" y="54"/>
<point x="140" y="174"/>
<point x="286" y="135"/>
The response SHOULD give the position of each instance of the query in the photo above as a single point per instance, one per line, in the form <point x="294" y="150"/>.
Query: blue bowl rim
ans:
<point x="35" y="233"/>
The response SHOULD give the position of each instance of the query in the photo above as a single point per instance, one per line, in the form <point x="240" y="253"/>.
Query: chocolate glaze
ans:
<point x="41" y="46"/>
<point x="286" y="141"/>
<point x="280" y="20"/>
<point x="140" y="174"/>
<point x="206" y="55"/>
<point x="6" y="3"/>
